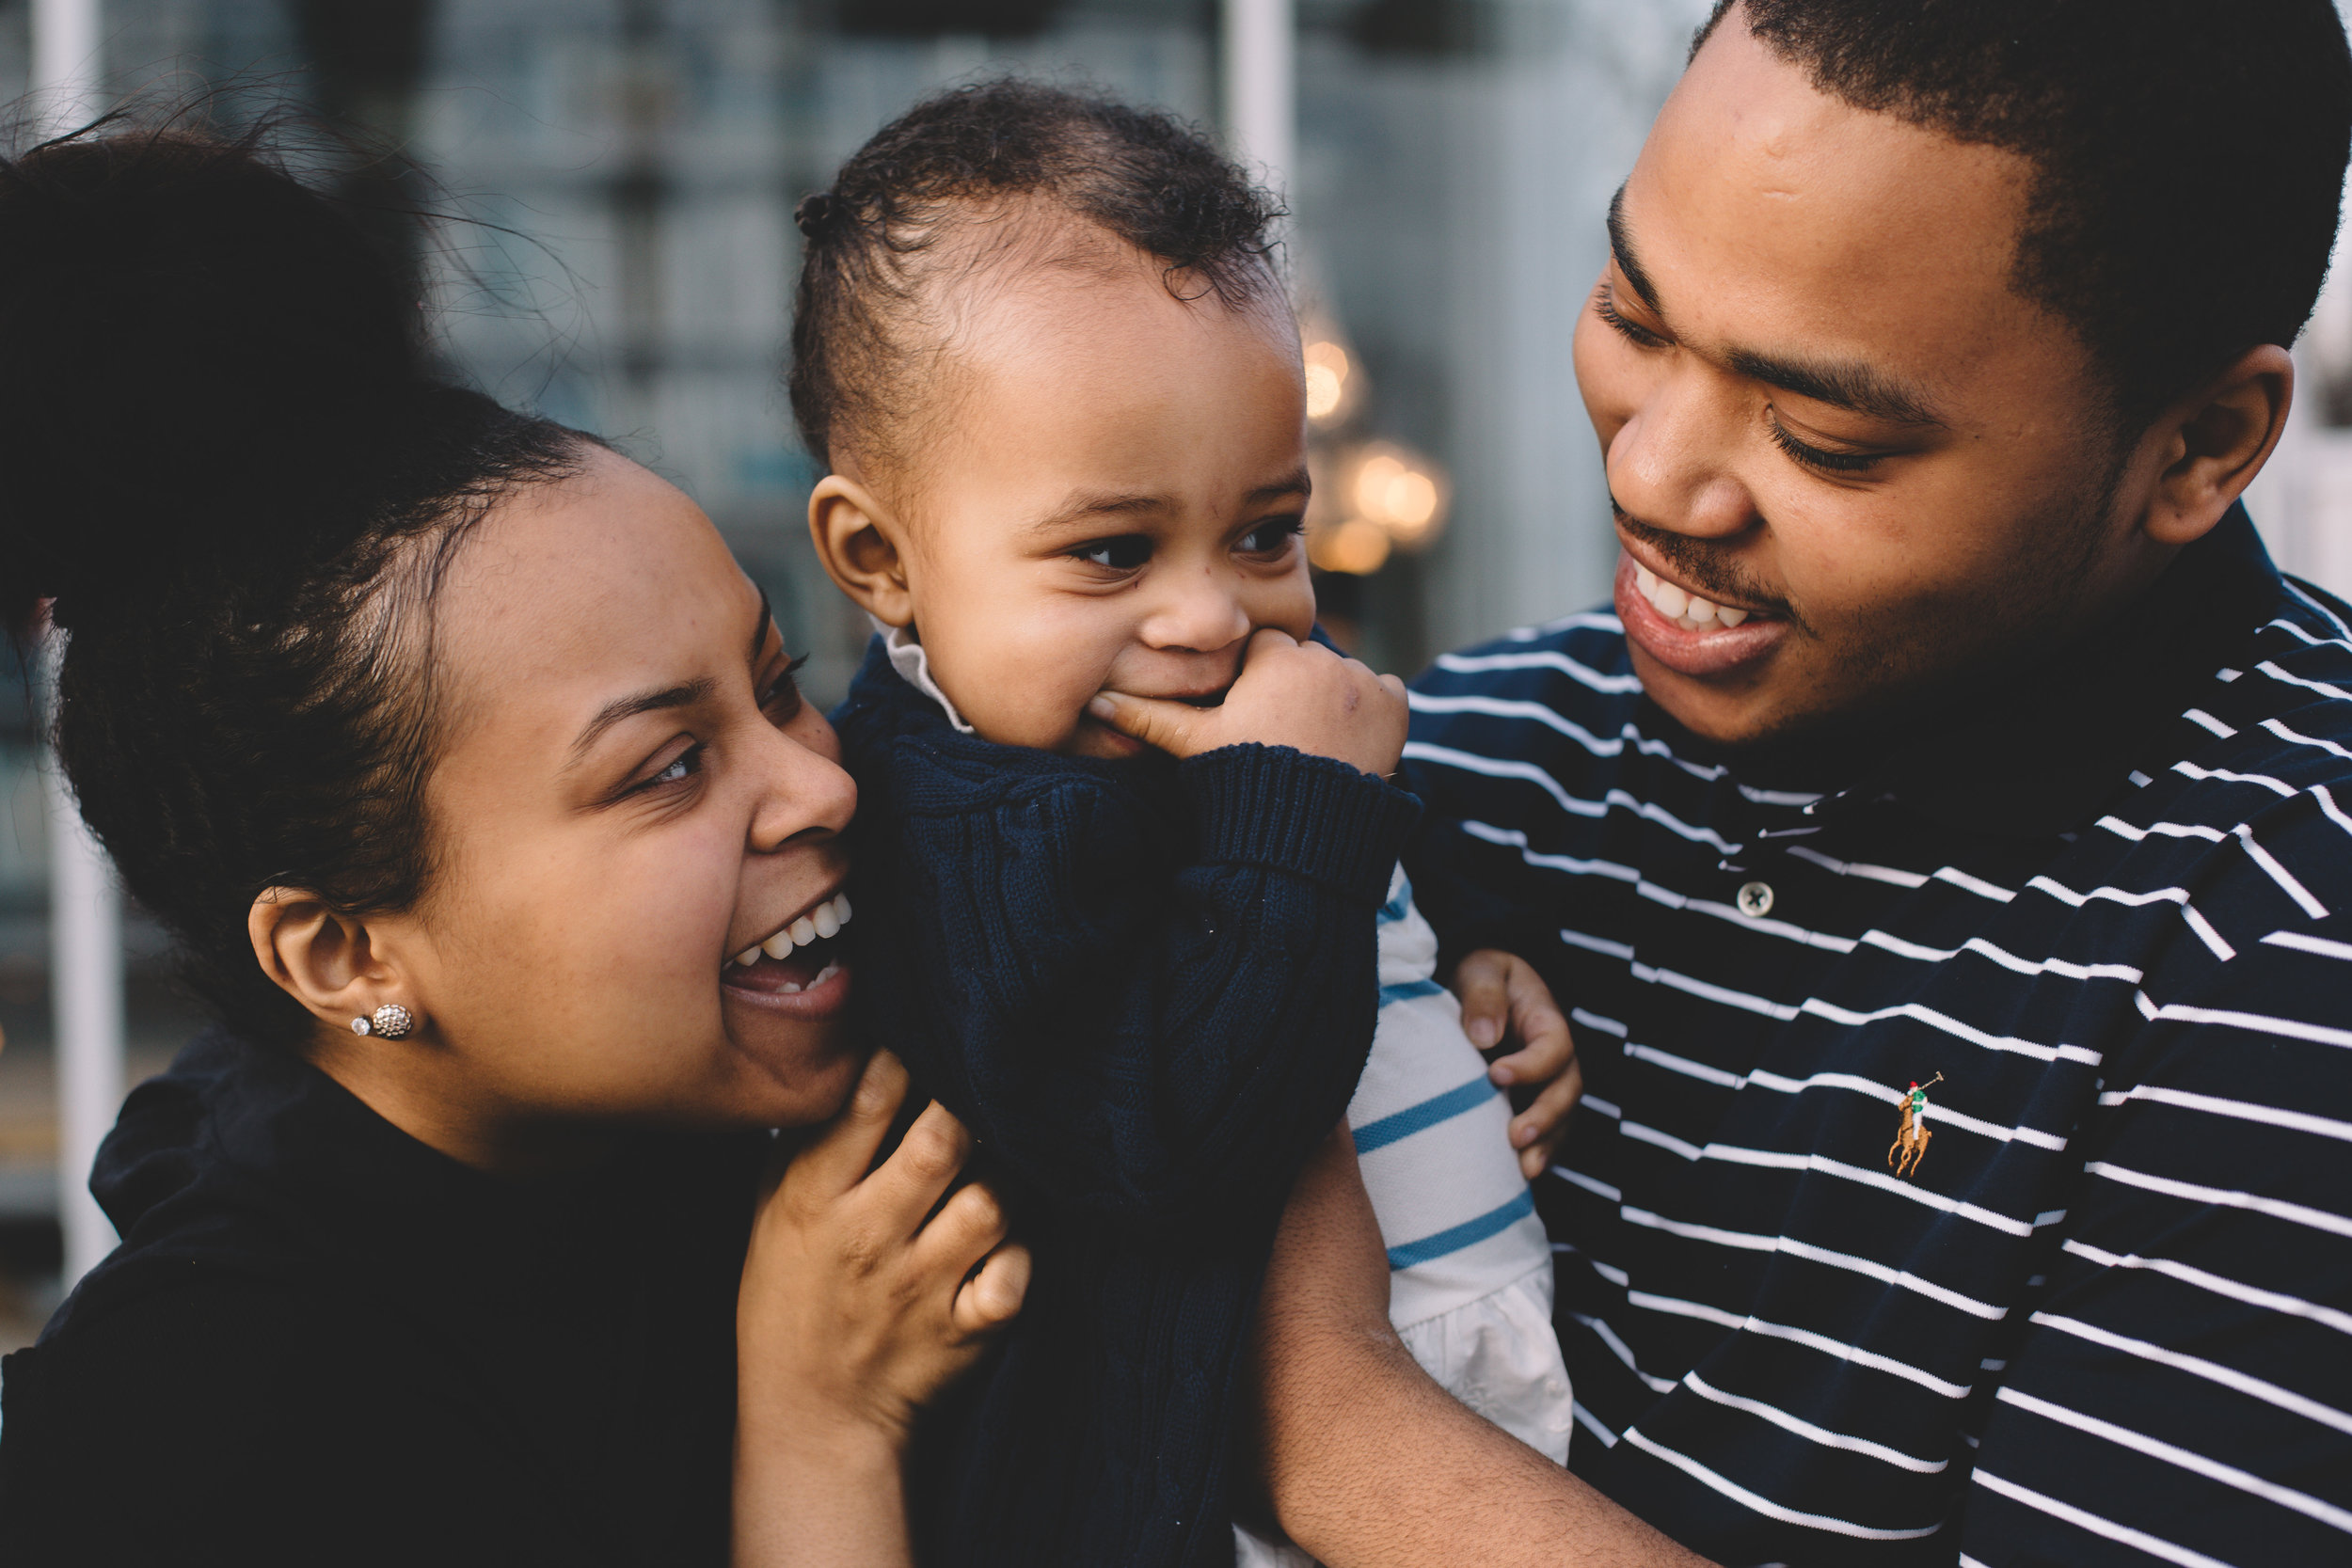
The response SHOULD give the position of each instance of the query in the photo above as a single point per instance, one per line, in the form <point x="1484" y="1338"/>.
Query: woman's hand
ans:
<point x="1505" y="1002"/>
<point x="855" y="1309"/>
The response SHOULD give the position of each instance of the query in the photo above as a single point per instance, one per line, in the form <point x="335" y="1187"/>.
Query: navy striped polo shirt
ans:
<point x="2106" y="1316"/>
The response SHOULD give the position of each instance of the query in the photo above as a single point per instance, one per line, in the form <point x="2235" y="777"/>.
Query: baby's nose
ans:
<point x="1203" y="617"/>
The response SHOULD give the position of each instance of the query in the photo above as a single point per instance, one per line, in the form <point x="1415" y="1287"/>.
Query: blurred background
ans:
<point x="635" y="163"/>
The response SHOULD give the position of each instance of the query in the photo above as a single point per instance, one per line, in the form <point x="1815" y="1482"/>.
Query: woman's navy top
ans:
<point x="323" y="1341"/>
<point x="1149" y="988"/>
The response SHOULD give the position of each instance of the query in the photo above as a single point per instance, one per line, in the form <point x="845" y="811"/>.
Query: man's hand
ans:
<point x="1289" y="693"/>
<point x="1504" y="1000"/>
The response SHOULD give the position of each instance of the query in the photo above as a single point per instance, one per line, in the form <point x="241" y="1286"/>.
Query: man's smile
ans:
<point x="1663" y="619"/>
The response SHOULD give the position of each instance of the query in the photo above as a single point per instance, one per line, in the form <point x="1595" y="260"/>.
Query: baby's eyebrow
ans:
<point x="1087" y="505"/>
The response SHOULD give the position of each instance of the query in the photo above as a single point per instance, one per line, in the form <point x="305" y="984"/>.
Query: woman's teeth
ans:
<point x="823" y="922"/>
<point x="1686" y="611"/>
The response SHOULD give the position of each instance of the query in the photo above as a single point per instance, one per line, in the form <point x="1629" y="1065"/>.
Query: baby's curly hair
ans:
<point x="868" y="326"/>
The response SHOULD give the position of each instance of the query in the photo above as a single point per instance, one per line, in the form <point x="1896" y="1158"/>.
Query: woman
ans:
<point x="465" y="764"/>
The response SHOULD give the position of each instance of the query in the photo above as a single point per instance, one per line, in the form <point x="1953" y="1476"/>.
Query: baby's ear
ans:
<point x="858" y="539"/>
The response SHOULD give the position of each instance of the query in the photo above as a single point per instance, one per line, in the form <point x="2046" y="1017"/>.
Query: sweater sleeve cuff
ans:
<point x="1316" y="816"/>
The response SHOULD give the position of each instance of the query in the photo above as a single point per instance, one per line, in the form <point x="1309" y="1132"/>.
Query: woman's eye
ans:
<point x="782" y="700"/>
<point x="1118" y="555"/>
<point x="1271" y="537"/>
<point x="680" y="769"/>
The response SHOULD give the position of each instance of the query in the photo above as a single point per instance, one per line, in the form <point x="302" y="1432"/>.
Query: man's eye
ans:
<point x="1272" y="537"/>
<point x="1119" y="554"/>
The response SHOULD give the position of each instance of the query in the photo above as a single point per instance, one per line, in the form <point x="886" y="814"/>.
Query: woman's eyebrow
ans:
<point x="759" y="624"/>
<point x="684" y="694"/>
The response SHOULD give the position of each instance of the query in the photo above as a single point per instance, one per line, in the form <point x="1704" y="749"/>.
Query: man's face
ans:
<point x="1822" y="404"/>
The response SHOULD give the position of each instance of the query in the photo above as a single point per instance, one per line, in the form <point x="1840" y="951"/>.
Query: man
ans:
<point x="1951" y="721"/>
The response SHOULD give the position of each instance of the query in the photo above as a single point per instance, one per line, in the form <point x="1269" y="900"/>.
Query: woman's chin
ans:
<point x="799" y="1044"/>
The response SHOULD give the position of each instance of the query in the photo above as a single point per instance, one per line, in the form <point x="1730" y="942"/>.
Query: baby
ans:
<point x="1042" y="349"/>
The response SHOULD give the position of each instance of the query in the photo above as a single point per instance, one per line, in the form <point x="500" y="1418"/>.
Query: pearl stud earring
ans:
<point x="392" y="1021"/>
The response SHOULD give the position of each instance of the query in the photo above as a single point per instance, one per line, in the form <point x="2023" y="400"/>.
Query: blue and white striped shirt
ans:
<point x="2107" y="1318"/>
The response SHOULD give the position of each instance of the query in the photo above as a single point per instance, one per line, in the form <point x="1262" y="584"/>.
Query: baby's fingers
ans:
<point x="1546" y="1047"/>
<point x="1481" y="981"/>
<point x="1535" y="1131"/>
<point x="991" y="1298"/>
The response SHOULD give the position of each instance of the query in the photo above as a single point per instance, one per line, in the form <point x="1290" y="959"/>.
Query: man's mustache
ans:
<point x="1698" y="564"/>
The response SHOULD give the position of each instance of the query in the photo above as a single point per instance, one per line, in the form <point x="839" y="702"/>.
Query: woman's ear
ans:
<point x="861" y="546"/>
<point x="329" y="962"/>
<point x="2215" y="440"/>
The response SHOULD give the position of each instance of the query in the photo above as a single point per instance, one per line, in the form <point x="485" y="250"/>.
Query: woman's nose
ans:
<point x="1669" y="464"/>
<point x="1200" y="611"/>
<point x="805" y="792"/>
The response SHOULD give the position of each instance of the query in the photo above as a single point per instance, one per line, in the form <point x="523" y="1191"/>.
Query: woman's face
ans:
<point x="630" y="792"/>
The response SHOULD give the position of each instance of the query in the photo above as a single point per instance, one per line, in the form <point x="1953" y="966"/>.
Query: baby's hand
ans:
<point x="1503" y="998"/>
<point x="1289" y="693"/>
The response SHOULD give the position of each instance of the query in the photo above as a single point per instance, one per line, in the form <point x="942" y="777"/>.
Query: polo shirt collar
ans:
<point x="2043" y="754"/>
<point x="2042" y="750"/>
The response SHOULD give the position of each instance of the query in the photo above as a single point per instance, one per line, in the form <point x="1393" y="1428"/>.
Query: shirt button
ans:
<point x="1755" y="899"/>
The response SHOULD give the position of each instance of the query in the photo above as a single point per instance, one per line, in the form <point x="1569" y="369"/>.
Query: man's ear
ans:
<point x="861" y="543"/>
<point x="333" y="963"/>
<point x="2214" y="441"/>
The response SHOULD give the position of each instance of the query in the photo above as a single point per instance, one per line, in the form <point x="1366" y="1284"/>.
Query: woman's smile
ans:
<point x="802" y="968"/>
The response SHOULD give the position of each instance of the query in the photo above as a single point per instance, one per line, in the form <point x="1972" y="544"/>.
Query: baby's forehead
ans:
<point x="1033" y="250"/>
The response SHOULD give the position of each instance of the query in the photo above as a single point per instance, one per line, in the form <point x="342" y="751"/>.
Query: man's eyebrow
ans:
<point x="1621" y="247"/>
<point x="1842" y="384"/>
<point x="684" y="694"/>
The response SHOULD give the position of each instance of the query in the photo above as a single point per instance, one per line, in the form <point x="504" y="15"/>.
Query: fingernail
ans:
<point x="1102" y="708"/>
<point x="1485" y="1032"/>
<point x="1522" y="1136"/>
<point x="1500" y="1073"/>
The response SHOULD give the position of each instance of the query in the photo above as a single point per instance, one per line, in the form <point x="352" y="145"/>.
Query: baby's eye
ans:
<point x="1124" y="554"/>
<point x="1271" y="537"/>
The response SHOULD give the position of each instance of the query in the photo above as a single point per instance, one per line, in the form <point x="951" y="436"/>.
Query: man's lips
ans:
<point x="1717" y="650"/>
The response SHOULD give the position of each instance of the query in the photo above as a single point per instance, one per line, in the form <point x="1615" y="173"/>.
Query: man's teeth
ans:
<point x="824" y="921"/>
<point x="1685" y="610"/>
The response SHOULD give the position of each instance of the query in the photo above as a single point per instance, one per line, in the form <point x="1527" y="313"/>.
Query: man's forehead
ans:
<point x="1771" y="217"/>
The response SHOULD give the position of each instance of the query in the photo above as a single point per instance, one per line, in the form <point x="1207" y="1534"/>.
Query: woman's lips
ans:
<point x="1719" y="650"/>
<point x="760" y="985"/>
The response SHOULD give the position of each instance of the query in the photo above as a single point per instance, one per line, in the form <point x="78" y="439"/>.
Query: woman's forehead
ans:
<point x="572" y="593"/>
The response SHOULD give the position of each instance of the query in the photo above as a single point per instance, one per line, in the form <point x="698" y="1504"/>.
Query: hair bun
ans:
<point x="200" y="350"/>
<point x="815" y="214"/>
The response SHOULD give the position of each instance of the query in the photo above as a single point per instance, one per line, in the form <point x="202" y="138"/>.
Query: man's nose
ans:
<point x="1670" y="465"/>
<point x="1201" y="610"/>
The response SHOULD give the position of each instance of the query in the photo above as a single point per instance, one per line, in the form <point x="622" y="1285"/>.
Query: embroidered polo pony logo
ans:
<point x="1911" y="1138"/>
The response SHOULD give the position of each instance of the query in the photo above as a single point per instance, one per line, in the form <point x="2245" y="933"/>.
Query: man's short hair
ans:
<point x="2188" y="155"/>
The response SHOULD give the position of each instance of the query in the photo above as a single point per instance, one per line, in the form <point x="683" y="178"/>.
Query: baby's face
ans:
<point x="1116" y="505"/>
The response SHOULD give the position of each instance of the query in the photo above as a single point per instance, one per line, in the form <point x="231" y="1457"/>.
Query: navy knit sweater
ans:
<point x="1149" y="988"/>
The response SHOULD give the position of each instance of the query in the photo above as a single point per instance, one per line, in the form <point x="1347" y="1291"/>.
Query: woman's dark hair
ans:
<point x="230" y="480"/>
<point x="863" y="342"/>
<point x="2188" y="157"/>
